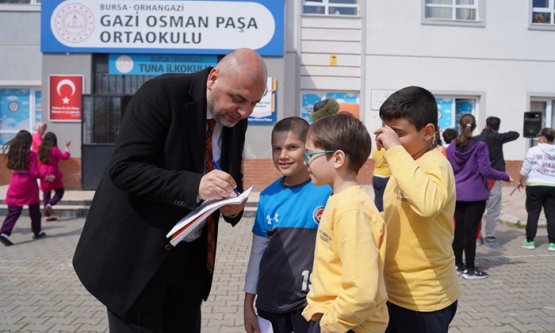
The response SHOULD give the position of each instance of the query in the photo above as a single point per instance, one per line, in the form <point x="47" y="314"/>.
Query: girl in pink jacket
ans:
<point x="50" y="156"/>
<point x="23" y="189"/>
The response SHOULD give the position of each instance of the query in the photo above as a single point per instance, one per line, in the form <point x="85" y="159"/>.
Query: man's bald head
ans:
<point x="245" y="63"/>
<point x="235" y="85"/>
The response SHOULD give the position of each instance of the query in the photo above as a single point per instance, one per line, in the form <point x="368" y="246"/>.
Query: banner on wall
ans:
<point x="265" y="111"/>
<point x="150" y="26"/>
<point x="157" y="64"/>
<point x="348" y="102"/>
<point x="65" y="92"/>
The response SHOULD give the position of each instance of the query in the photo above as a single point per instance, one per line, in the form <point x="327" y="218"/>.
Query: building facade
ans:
<point x="489" y="58"/>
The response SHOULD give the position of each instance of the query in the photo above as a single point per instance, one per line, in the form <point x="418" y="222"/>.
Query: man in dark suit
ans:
<point x="157" y="175"/>
<point x="495" y="141"/>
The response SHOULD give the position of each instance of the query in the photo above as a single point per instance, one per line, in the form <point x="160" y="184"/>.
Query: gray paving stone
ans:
<point x="40" y="292"/>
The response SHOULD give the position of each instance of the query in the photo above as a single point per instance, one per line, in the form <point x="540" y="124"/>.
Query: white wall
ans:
<point x="502" y="61"/>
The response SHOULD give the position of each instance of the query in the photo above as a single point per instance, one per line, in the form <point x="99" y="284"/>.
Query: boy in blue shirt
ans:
<point x="284" y="234"/>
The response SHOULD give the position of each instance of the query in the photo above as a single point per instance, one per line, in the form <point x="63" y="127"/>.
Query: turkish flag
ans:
<point x="66" y="92"/>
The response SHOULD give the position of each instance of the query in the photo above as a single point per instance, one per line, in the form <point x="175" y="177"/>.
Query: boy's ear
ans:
<point x="429" y="131"/>
<point x="339" y="159"/>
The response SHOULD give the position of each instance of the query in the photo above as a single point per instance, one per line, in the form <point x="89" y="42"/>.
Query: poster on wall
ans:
<point x="265" y="111"/>
<point x="14" y="112"/>
<point x="65" y="92"/>
<point x="38" y="107"/>
<point x="464" y="106"/>
<point x="445" y="112"/>
<point x="348" y="102"/>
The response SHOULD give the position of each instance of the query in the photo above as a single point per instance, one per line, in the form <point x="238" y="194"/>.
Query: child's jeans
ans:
<point x="13" y="214"/>
<point x="48" y="200"/>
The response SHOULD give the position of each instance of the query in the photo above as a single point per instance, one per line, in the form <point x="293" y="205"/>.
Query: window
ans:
<point x="27" y="2"/>
<point x="450" y="109"/>
<point x="547" y="107"/>
<point x="331" y="7"/>
<point x="543" y="12"/>
<point x="460" y="11"/>
<point x="20" y="109"/>
<point x="349" y="101"/>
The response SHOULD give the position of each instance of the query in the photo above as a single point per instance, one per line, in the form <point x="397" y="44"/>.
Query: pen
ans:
<point x="218" y="167"/>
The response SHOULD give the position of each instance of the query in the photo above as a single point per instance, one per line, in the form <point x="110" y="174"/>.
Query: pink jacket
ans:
<point x="35" y="144"/>
<point x="51" y="168"/>
<point x="23" y="189"/>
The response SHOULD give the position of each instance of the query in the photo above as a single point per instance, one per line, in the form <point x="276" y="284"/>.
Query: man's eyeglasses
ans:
<point x="307" y="155"/>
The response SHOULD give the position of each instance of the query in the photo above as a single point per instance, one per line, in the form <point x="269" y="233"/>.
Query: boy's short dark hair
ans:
<point x="296" y="125"/>
<point x="344" y="132"/>
<point x="548" y="134"/>
<point x="493" y="123"/>
<point x="415" y="104"/>
<point x="449" y="134"/>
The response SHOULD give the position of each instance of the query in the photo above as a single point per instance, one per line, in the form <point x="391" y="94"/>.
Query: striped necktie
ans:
<point x="210" y="220"/>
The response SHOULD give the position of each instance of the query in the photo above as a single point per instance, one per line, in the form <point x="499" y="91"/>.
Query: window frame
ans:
<point x="548" y="114"/>
<point x="326" y="5"/>
<point x="477" y="99"/>
<point x="541" y="26"/>
<point x="35" y="109"/>
<point x="479" y="6"/>
<point x="31" y="6"/>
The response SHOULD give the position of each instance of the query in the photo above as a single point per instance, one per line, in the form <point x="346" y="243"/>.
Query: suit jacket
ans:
<point x="152" y="182"/>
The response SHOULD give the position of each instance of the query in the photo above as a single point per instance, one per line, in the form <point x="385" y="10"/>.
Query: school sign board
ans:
<point x="167" y="27"/>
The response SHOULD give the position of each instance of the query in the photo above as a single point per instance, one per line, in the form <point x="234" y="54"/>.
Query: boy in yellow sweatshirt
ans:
<point x="419" y="204"/>
<point x="348" y="290"/>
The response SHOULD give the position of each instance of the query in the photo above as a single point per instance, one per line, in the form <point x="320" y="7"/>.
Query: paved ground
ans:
<point x="39" y="291"/>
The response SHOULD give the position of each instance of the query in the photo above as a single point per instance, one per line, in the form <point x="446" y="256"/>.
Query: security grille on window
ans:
<point x="452" y="10"/>
<point x="331" y="7"/>
<point x="543" y="11"/>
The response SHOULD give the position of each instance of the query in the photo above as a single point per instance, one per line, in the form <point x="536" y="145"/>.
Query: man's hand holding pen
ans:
<point x="218" y="184"/>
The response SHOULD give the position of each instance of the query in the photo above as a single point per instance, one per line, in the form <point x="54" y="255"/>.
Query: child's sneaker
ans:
<point x="551" y="247"/>
<point x="48" y="210"/>
<point x="459" y="269"/>
<point x="5" y="239"/>
<point x="474" y="274"/>
<point x="491" y="241"/>
<point x="40" y="235"/>
<point x="528" y="245"/>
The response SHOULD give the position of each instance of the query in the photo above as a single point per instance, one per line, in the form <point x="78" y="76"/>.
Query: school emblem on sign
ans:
<point x="73" y="22"/>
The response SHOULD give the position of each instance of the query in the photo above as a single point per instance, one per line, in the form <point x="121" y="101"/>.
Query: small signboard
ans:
<point x="66" y="92"/>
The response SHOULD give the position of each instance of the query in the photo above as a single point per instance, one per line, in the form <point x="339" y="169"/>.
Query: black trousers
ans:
<point x="288" y="322"/>
<point x="379" y="184"/>
<point x="403" y="320"/>
<point x="314" y="326"/>
<point x="171" y="301"/>
<point x="468" y="214"/>
<point x="536" y="198"/>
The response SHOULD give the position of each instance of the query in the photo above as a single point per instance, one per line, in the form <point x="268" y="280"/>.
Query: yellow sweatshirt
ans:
<point x="348" y="287"/>
<point x="380" y="165"/>
<point x="419" y="203"/>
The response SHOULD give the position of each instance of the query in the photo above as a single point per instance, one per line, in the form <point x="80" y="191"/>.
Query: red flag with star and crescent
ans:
<point x="66" y="92"/>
